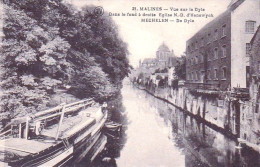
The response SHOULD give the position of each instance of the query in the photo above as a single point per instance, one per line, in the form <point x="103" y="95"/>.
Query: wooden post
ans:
<point x="60" y="123"/>
<point x="20" y="130"/>
<point x="85" y="103"/>
<point x="27" y="127"/>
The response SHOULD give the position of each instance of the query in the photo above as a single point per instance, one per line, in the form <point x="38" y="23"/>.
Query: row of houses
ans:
<point x="222" y="58"/>
<point x="218" y="54"/>
<point x="225" y="55"/>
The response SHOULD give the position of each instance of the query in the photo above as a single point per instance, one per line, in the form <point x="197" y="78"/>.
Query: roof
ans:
<point x="232" y="6"/>
<point x="232" y="2"/>
<point x="208" y="25"/>
<point x="235" y="3"/>
<point x="149" y="60"/>
<point x="163" y="48"/>
<point x="257" y="31"/>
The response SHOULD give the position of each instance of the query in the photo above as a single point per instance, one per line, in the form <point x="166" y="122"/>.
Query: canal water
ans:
<point x="156" y="134"/>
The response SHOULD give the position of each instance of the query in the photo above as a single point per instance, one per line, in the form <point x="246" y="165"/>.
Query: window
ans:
<point x="192" y="76"/>
<point x="216" y="34"/>
<point x="208" y="38"/>
<point x="202" y="42"/>
<point x="247" y="76"/>
<point x="196" y="45"/>
<point x="215" y="74"/>
<point x="216" y="53"/>
<point x="248" y="47"/>
<point x="208" y="75"/>
<point x="250" y="26"/>
<point x="256" y="108"/>
<point x="196" y="60"/>
<point x="224" y="30"/>
<point x="197" y="75"/>
<point x="201" y="58"/>
<point x="224" y="51"/>
<point x="202" y="74"/>
<point x="245" y="136"/>
<point x="209" y="56"/>
<point x="224" y="72"/>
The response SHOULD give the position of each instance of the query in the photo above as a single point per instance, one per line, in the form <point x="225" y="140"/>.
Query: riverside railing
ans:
<point x="204" y="86"/>
<point x="44" y="116"/>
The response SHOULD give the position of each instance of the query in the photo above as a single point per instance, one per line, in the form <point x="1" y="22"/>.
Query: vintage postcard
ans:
<point x="130" y="83"/>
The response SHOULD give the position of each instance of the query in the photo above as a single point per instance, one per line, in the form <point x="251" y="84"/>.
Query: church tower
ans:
<point x="140" y="63"/>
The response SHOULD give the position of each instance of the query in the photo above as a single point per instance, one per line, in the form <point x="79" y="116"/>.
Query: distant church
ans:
<point x="163" y="55"/>
<point x="163" y="58"/>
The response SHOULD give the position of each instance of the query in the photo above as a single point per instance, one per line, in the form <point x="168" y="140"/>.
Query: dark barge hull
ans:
<point x="71" y="149"/>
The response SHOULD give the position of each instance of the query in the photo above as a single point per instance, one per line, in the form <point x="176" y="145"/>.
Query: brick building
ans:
<point x="217" y="55"/>
<point x="255" y="66"/>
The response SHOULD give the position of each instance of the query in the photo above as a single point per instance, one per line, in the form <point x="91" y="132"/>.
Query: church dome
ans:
<point x="163" y="48"/>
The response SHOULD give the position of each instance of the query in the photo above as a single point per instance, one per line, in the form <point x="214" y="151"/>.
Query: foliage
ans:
<point x="49" y="44"/>
<point x="180" y="69"/>
<point x="158" y="70"/>
<point x="141" y="75"/>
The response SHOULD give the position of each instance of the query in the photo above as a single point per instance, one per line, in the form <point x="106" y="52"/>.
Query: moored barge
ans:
<point x="53" y="137"/>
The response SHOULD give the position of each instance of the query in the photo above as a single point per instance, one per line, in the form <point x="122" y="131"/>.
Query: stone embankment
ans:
<point x="220" y="111"/>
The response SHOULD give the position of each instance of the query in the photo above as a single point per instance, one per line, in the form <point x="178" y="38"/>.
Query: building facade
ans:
<point x="149" y="62"/>
<point x="163" y="55"/>
<point x="250" y="112"/>
<point x="255" y="66"/>
<point x="176" y="69"/>
<point x="163" y="58"/>
<point x="217" y="55"/>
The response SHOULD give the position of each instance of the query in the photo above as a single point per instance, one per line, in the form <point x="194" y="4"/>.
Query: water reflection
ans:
<point x="158" y="134"/>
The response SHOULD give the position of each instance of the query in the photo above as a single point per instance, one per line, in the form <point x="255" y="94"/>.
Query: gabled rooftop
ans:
<point x="232" y="6"/>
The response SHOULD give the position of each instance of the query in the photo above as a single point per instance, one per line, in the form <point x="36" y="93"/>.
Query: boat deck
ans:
<point x="72" y="123"/>
<point x="23" y="147"/>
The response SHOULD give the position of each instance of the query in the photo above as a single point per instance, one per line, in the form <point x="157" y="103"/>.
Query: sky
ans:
<point x="144" y="38"/>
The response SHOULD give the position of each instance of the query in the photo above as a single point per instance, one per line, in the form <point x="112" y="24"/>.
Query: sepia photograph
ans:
<point x="130" y="83"/>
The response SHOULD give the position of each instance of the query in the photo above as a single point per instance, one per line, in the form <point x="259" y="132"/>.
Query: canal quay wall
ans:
<point x="219" y="110"/>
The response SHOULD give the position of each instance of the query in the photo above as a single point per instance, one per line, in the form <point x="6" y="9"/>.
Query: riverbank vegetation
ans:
<point x="50" y="46"/>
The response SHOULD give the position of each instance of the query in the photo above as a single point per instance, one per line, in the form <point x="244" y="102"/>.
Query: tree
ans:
<point x="180" y="69"/>
<point x="88" y="79"/>
<point x="104" y="44"/>
<point x="49" y="44"/>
